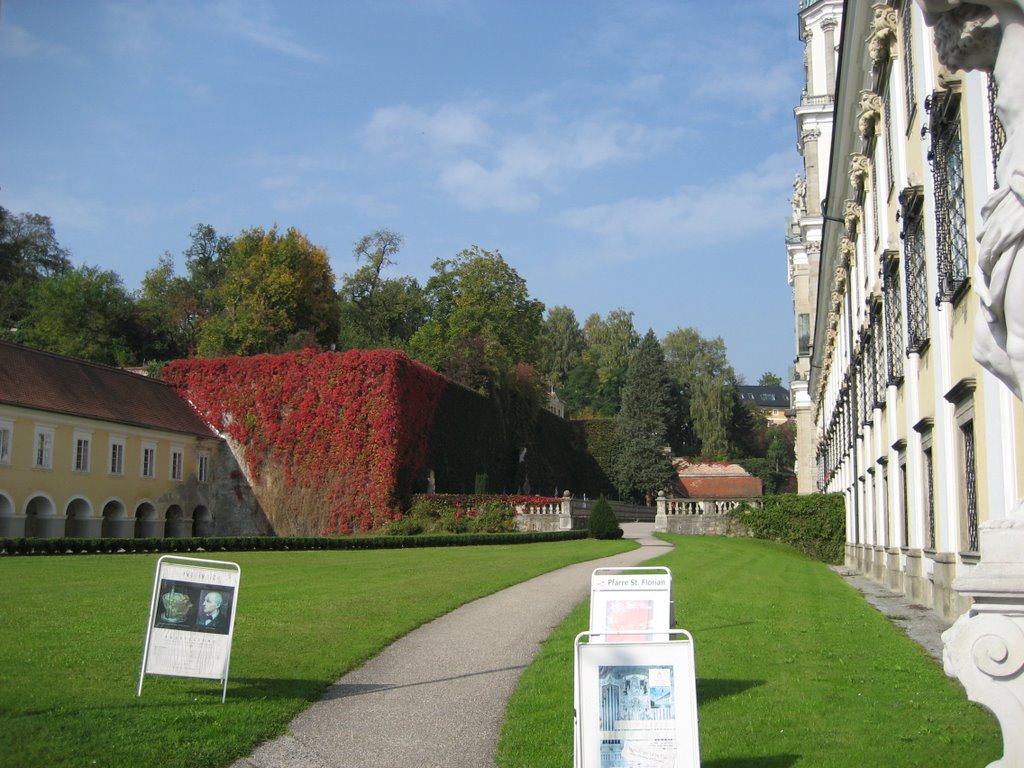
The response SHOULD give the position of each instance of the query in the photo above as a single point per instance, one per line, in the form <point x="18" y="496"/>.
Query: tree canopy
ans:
<point x="481" y="319"/>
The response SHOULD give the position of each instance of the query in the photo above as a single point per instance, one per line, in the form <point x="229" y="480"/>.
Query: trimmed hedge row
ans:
<point x="270" y="543"/>
<point x="815" y="524"/>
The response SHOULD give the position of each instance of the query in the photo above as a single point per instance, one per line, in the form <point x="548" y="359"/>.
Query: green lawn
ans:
<point x="794" y="668"/>
<point x="72" y="631"/>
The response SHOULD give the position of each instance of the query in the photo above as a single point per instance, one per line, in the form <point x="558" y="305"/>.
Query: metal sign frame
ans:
<point x="635" y="702"/>
<point x="631" y="603"/>
<point x="191" y="619"/>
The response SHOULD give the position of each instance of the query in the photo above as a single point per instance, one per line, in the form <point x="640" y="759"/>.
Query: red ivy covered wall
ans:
<point x="349" y="430"/>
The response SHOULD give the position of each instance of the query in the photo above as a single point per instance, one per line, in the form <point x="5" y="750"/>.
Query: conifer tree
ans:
<point x="642" y="465"/>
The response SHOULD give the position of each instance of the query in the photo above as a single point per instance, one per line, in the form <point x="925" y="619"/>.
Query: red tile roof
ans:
<point x="44" y="381"/>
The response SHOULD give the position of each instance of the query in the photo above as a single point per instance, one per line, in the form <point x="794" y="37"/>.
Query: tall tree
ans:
<point x="83" y="312"/>
<point x="706" y="382"/>
<point x="769" y="379"/>
<point x="274" y="288"/>
<point x="29" y="252"/>
<point x="562" y="345"/>
<point x="610" y="343"/>
<point x="376" y="311"/>
<point x="169" y="311"/>
<point x="481" y="319"/>
<point x="642" y="464"/>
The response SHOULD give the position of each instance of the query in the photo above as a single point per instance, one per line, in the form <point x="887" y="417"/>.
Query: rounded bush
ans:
<point x="602" y="523"/>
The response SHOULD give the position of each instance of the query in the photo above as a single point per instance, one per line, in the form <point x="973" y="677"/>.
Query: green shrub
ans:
<point x="602" y="523"/>
<point x="408" y="525"/>
<point x="494" y="517"/>
<point x="815" y="524"/>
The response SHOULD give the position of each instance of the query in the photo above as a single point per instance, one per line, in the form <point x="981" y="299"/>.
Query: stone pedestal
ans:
<point x="984" y="649"/>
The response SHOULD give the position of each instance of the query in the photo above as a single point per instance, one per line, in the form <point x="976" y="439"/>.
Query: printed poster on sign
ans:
<point x="191" y="619"/>
<point x="630" y="606"/>
<point x="636" y="704"/>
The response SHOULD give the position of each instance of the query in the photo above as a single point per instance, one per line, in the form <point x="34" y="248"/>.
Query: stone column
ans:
<point x="661" y="514"/>
<point x="565" y="514"/>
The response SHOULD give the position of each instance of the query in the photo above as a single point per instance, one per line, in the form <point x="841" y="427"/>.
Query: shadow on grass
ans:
<point x="771" y="761"/>
<point x="719" y="688"/>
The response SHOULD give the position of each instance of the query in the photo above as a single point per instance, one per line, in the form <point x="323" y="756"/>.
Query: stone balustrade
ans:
<point x="698" y="516"/>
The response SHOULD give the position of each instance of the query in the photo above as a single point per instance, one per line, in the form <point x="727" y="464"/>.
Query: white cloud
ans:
<point x="725" y="210"/>
<point x="253" y="20"/>
<point x="483" y="167"/>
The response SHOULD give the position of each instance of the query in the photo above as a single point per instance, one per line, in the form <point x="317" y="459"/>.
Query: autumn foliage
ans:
<point x="343" y="435"/>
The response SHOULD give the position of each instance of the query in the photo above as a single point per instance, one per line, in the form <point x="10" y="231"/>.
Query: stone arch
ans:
<point x="176" y="526"/>
<point x="202" y="521"/>
<point x="116" y="524"/>
<point x="41" y="518"/>
<point x="79" y="521"/>
<point x="147" y="523"/>
<point x="12" y="525"/>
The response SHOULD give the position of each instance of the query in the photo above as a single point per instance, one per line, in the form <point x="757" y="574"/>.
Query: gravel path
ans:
<point x="436" y="697"/>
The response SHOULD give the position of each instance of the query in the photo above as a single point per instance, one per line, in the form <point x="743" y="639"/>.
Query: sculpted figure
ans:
<point x="990" y="37"/>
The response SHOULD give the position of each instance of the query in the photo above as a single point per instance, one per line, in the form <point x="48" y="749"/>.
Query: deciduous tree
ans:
<point x="481" y="319"/>
<point x="273" y="287"/>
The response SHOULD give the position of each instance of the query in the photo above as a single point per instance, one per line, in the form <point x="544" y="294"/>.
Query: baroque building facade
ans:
<point x="893" y="411"/>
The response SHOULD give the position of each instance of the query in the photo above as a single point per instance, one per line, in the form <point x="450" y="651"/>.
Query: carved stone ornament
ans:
<point x="852" y="215"/>
<point x="860" y="170"/>
<point x="840" y="278"/>
<point x="847" y="249"/>
<point x="883" y="33"/>
<point x="870" y="116"/>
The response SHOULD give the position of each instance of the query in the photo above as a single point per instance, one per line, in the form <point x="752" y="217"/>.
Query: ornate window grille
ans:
<point x="905" y="534"/>
<point x="911" y="201"/>
<point x="970" y="486"/>
<point x="931" y="497"/>
<point x="879" y="366"/>
<point x="893" y="299"/>
<point x="947" y="159"/>
<point x="996" y="130"/>
<point x="906" y="31"/>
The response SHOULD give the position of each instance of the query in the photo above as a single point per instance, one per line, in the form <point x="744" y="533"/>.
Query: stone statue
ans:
<point x="990" y="37"/>
<point x="799" y="200"/>
<point x="984" y="649"/>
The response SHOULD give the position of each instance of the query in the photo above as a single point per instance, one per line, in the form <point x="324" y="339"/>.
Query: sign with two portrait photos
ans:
<point x="191" y="619"/>
<point x="628" y="604"/>
<point x="636" y="703"/>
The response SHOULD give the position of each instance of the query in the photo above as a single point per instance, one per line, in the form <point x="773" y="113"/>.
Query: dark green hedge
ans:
<point x="270" y="543"/>
<point x="815" y="524"/>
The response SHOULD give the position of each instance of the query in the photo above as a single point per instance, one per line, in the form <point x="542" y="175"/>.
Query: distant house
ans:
<point x="91" y="451"/>
<point x="771" y="401"/>
<point x="714" y="480"/>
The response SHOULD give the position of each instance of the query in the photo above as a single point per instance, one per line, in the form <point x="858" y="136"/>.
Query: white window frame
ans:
<point x="147" y="465"/>
<point x="81" y="449"/>
<point x="203" y="466"/>
<point x="6" y="441"/>
<point x="42" y="447"/>
<point x="116" y="455"/>
<point x="177" y="468"/>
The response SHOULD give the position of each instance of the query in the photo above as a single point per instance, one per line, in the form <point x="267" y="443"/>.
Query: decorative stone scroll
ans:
<point x="847" y="250"/>
<point x="870" y="117"/>
<point x="860" y="170"/>
<point x="852" y="215"/>
<point x="883" y="33"/>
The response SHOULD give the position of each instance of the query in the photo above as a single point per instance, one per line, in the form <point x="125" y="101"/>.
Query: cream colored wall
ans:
<point x="20" y="482"/>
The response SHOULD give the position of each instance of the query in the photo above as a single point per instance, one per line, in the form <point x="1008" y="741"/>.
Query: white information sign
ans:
<point x="629" y="604"/>
<point x="191" y="619"/>
<point x="636" y="704"/>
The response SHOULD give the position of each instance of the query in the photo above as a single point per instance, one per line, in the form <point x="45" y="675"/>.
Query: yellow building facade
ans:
<point x="921" y="440"/>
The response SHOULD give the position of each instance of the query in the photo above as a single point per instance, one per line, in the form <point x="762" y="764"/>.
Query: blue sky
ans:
<point x="633" y="155"/>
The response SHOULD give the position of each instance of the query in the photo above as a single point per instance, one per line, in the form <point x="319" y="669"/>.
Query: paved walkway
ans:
<point x="436" y="697"/>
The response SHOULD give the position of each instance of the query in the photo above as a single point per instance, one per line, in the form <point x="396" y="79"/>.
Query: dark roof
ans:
<point x="774" y="396"/>
<point x="45" y="381"/>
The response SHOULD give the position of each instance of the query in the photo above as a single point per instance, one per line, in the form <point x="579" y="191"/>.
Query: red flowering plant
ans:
<point x="345" y="434"/>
